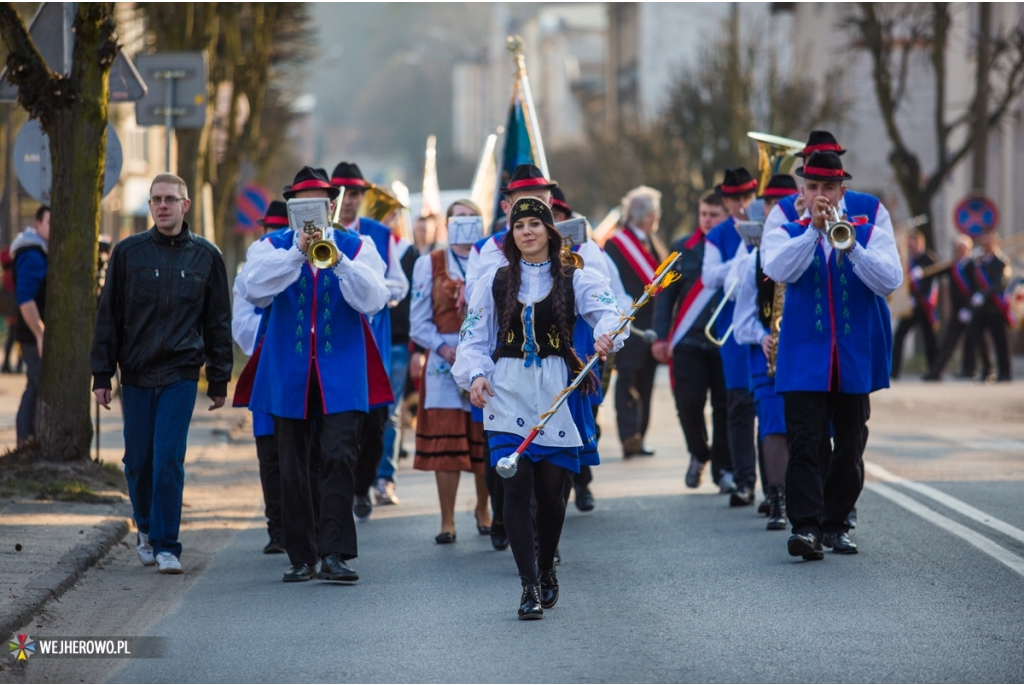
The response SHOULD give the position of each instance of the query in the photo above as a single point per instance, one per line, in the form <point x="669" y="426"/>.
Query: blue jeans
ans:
<point x="392" y="445"/>
<point x="25" y="422"/>
<point x="156" y="424"/>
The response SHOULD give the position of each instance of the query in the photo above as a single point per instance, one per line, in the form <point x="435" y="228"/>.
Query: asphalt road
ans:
<point x="659" y="583"/>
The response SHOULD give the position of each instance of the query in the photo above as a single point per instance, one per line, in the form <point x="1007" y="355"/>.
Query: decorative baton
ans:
<point x="507" y="466"/>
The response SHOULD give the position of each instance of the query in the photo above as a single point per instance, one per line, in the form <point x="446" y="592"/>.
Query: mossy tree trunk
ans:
<point x="72" y="110"/>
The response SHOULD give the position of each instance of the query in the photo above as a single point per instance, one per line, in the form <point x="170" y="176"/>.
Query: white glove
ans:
<point x="917" y="273"/>
<point x="965" y="315"/>
<point x="977" y="299"/>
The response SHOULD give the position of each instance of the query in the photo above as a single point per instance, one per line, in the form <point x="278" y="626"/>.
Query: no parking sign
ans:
<point x="975" y="215"/>
<point x="250" y="206"/>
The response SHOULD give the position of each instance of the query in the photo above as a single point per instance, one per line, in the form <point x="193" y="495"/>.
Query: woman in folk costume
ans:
<point x="515" y="356"/>
<point x="447" y="440"/>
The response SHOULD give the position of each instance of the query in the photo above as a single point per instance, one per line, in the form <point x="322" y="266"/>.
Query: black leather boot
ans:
<point x="529" y="606"/>
<point x="548" y="589"/>
<point x="777" y="516"/>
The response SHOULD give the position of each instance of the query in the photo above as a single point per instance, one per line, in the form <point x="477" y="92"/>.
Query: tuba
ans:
<point x="378" y="203"/>
<point x="775" y="155"/>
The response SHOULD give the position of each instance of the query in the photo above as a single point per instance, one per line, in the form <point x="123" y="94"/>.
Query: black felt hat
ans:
<point x="821" y="141"/>
<point x="348" y="175"/>
<point x="309" y="178"/>
<point x="527" y="177"/>
<point x="780" y="185"/>
<point x="737" y="181"/>
<point x="558" y="200"/>
<point x="276" y="216"/>
<point x="530" y="207"/>
<point x="823" y="166"/>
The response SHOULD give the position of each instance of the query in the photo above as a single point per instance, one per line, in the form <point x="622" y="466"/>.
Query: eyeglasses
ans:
<point x="168" y="200"/>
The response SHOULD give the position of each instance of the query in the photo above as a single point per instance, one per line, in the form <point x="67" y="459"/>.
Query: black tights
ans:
<point x="547" y="482"/>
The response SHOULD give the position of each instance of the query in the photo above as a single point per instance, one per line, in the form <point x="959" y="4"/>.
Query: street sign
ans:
<point x="975" y="215"/>
<point x="176" y="83"/>
<point x="51" y="32"/>
<point x="32" y="161"/>
<point x="251" y="206"/>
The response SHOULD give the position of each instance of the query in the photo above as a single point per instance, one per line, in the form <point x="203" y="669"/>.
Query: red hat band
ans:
<point x="528" y="183"/>
<point x="349" y="182"/>
<point x="822" y="171"/>
<point x="742" y="188"/>
<point x="824" y="147"/>
<point x="275" y="221"/>
<point x="778" y="192"/>
<point x="559" y="203"/>
<point x="311" y="184"/>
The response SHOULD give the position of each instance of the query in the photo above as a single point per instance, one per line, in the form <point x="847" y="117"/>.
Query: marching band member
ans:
<point x="318" y="364"/>
<point x="246" y="331"/>
<point x="448" y="441"/>
<point x="636" y="255"/>
<point x="834" y="349"/>
<point x="347" y="176"/>
<point x="738" y="189"/>
<point x="524" y="313"/>
<point x="854" y="204"/>
<point x="682" y="310"/>
<point x="925" y="295"/>
<point x="755" y="304"/>
<point x="992" y="311"/>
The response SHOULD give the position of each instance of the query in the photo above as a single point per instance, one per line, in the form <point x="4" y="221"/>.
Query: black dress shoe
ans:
<point x="765" y="507"/>
<point x="584" y="499"/>
<point x="299" y="573"/>
<point x="694" y="473"/>
<point x="548" y="589"/>
<point x="777" y="516"/>
<point x="334" y="568"/>
<point x="806" y="545"/>
<point x="742" y="497"/>
<point x="445" y="538"/>
<point x="275" y="546"/>
<point x="851" y="519"/>
<point x="529" y="605"/>
<point x="499" y="539"/>
<point x="483" y="530"/>
<point x="840" y="543"/>
<point x="362" y="507"/>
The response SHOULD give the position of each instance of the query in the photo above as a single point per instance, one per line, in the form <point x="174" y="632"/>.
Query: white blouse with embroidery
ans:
<point x="524" y="388"/>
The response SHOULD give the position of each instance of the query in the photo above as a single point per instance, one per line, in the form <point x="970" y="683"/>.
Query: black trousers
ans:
<point x="309" y="537"/>
<point x="533" y="545"/>
<point x="495" y="487"/>
<point x="824" y="478"/>
<point x="636" y="367"/>
<point x="270" y="479"/>
<point x="995" y="324"/>
<point x="742" y="447"/>
<point x="371" y="448"/>
<point x="696" y="373"/>
<point x="920" y="319"/>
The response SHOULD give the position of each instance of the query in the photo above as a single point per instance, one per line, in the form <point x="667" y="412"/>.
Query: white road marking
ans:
<point x="947" y="500"/>
<point x="997" y="552"/>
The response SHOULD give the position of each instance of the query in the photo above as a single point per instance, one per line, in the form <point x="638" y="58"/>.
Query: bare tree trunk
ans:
<point x="980" y="115"/>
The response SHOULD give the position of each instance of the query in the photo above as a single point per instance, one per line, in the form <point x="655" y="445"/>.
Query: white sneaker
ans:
<point x="384" y="492"/>
<point x="145" y="550"/>
<point x="168" y="563"/>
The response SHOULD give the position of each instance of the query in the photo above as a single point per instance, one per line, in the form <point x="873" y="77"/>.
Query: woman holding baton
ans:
<point x="515" y="357"/>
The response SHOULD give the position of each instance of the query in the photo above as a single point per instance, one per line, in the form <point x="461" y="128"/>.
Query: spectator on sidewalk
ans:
<point x="164" y="312"/>
<point x="29" y="250"/>
<point x="9" y="310"/>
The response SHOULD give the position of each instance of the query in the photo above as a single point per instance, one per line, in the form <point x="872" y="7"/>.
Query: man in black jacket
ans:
<point x="164" y="312"/>
<point x="681" y="313"/>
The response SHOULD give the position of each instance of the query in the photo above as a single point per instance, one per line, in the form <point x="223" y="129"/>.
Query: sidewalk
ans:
<point x="46" y="545"/>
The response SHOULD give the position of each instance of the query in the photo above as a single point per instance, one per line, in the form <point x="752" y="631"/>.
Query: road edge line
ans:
<point x="947" y="500"/>
<point x="997" y="552"/>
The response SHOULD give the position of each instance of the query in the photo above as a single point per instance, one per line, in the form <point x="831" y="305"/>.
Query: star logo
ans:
<point x="23" y="648"/>
<point x="523" y="206"/>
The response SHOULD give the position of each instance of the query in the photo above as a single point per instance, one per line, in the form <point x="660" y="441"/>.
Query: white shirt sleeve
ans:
<point x="785" y="259"/>
<point x="747" y="326"/>
<point x="269" y="271"/>
<point x="596" y="304"/>
<point x="877" y="265"/>
<point x="593" y="259"/>
<point x="775" y="219"/>
<point x="883" y="221"/>
<point x="422" y="329"/>
<point x="398" y="284"/>
<point x="245" y="321"/>
<point x="482" y="264"/>
<point x="713" y="269"/>
<point x="362" y="280"/>
<point x="476" y="339"/>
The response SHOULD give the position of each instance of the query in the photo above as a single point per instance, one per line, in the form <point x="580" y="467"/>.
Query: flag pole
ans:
<point x="515" y="46"/>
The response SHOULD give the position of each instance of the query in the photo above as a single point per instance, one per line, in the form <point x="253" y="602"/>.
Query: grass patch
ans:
<point x="25" y="474"/>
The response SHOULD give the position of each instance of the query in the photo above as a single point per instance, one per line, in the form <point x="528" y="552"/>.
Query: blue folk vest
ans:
<point x="727" y="239"/>
<point x="281" y="386"/>
<point x="858" y="206"/>
<point x="380" y="324"/>
<point x="831" y="318"/>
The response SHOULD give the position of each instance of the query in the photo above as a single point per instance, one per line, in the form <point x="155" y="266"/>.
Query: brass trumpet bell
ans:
<point x="323" y="254"/>
<point x="841" y="234"/>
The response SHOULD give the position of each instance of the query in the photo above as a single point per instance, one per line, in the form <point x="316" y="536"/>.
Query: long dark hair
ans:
<point x="561" y="285"/>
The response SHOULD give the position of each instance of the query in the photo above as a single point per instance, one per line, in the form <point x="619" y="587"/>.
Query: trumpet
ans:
<point x="323" y="253"/>
<point x="841" y="234"/>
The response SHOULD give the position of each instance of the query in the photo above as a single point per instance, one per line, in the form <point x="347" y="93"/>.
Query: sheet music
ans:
<point x="315" y="209"/>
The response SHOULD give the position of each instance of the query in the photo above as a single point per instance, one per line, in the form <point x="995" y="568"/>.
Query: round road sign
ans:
<point x="975" y="215"/>
<point x="32" y="161"/>
<point x="251" y="206"/>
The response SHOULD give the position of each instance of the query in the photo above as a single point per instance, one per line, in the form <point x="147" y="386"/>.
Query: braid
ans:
<point x="565" y="316"/>
<point x="515" y="279"/>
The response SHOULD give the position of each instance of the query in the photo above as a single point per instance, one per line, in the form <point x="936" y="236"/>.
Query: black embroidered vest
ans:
<point x="765" y="296"/>
<point x="542" y="326"/>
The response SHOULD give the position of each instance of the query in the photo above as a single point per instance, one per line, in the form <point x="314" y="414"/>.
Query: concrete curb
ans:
<point x="63" y="575"/>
